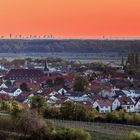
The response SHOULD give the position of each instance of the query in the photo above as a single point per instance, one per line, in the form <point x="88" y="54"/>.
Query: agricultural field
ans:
<point x="101" y="131"/>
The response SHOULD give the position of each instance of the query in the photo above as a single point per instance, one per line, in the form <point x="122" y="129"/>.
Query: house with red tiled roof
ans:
<point x="121" y="84"/>
<point x="47" y="92"/>
<point x="13" y="92"/>
<point x="24" y="98"/>
<point x="24" y="74"/>
<point x="99" y="88"/>
<point x="117" y="75"/>
<point x="5" y="97"/>
<point x="45" y="79"/>
<point x="126" y="103"/>
<point x="56" y="100"/>
<point x="31" y="85"/>
<point x="103" y="106"/>
<point x="60" y="101"/>
<point x="62" y="91"/>
<point x="3" y="92"/>
<point x="96" y="97"/>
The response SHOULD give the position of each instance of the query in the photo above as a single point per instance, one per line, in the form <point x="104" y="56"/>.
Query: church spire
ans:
<point x="46" y="68"/>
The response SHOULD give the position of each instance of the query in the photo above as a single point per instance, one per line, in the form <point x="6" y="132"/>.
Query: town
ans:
<point x="70" y="70"/>
<point x="104" y="87"/>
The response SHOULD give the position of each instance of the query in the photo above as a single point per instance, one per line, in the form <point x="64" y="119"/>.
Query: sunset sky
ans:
<point x="71" y="18"/>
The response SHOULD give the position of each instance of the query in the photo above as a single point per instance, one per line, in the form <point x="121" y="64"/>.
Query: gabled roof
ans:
<point x="47" y="91"/>
<point x="60" y="97"/>
<point x="117" y="74"/>
<point x="77" y="94"/>
<point x="31" y="85"/>
<point x="3" y="92"/>
<point x="119" y="93"/>
<point x="9" y="90"/>
<point x="5" y="97"/>
<point x="125" y="100"/>
<point x="45" y="78"/>
<point x="86" y="103"/>
<point x="96" y="98"/>
<point x="21" y="73"/>
<point x="104" y="103"/>
<point x="97" y="86"/>
<point x="23" y="96"/>
<point x="58" y="87"/>
<point x="3" y="85"/>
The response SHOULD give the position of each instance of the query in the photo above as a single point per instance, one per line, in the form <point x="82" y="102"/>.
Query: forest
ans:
<point x="122" y="47"/>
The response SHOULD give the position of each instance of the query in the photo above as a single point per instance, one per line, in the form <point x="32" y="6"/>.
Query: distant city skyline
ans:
<point x="70" y="18"/>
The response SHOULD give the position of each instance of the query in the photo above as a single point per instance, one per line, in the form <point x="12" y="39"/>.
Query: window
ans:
<point x="128" y="107"/>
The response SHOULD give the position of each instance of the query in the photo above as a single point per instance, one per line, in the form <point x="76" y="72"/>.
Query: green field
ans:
<point x="101" y="136"/>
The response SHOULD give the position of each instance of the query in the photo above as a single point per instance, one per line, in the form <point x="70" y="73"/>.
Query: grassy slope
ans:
<point x="101" y="136"/>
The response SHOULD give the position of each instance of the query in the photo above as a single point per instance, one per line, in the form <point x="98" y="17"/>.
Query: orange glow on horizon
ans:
<point x="70" y="18"/>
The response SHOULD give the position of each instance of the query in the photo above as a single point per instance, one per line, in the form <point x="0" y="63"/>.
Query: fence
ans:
<point x="106" y="128"/>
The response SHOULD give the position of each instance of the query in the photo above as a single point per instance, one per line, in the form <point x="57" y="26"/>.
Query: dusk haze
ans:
<point x="69" y="69"/>
<point x="70" y="18"/>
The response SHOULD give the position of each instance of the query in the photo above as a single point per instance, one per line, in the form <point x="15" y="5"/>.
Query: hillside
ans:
<point x="68" y="45"/>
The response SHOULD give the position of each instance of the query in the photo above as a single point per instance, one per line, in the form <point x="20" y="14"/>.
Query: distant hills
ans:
<point x="69" y="46"/>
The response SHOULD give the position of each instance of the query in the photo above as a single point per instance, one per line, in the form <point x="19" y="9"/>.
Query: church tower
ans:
<point x="46" y="67"/>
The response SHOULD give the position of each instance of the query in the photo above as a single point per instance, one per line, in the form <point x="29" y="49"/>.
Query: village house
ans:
<point x="56" y="100"/>
<point x="47" y="92"/>
<point x="137" y="106"/>
<point x="126" y="103"/>
<point x="103" y="106"/>
<point x="131" y="93"/>
<point x="3" y="86"/>
<point x="24" y="98"/>
<point x="24" y="74"/>
<point x="17" y="92"/>
<point x="78" y="96"/>
<point x="62" y="91"/>
<point x="116" y="92"/>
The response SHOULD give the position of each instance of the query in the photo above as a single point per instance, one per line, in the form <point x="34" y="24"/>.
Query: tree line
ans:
<point x="78" y="112"/>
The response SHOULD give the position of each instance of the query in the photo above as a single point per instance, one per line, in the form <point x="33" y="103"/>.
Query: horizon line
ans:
<point x="69" y="38"/>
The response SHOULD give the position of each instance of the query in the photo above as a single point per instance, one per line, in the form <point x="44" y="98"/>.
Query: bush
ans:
<point x="6" y="123"/>
<point x="135" y="135"/>
<point x="73" y="111"/>
<point x="99" y="118"/>
<point x="34" y="127"/>
<point x="113" y="117"/>
<point x="30" y="123"/>
<point x="15" y="109"/>
<point x="70" y="134"/>
<point x="122" y="117"/>
<point x="80" y="84"/>
<point x="38" y="103"/>
<point x="52" y="112"/>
